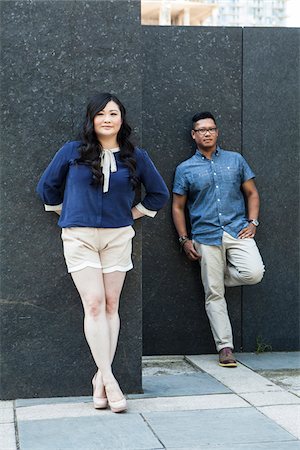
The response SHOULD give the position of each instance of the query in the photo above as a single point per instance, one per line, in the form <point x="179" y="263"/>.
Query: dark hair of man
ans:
<point x="201" y="116"/>
<point x="91" y="149"/>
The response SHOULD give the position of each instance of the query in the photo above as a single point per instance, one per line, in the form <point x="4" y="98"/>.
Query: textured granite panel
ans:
<point x="271" y="145"/>
<point x="186" y="69"/>
<point x="106" y="48"/>
<point x="107" y="57"/>
<point x="46" y="79"/>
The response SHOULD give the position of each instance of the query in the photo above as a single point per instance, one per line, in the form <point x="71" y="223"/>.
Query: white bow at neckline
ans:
<point x="108" y="164"/>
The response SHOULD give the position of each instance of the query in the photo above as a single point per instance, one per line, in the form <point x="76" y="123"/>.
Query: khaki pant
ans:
<point x="236" y="262"/>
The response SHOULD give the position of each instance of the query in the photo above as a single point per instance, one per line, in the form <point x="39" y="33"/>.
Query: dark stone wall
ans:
<point x="54" y="54"/>
<point x="186" y="69"/>
<point x="249" y="78"/>
<point x="271" y="145"/>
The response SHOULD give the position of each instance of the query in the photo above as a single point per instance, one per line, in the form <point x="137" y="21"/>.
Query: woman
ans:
<point x="91" y="183"/>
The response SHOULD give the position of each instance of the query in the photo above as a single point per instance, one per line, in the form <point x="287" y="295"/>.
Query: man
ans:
<point x="214" y="185"/>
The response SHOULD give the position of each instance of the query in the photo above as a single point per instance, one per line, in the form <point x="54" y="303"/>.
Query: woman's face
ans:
<point x="108" y="121"/>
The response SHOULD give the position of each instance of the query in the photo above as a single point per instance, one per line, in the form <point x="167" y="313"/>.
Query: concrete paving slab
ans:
<point x="179" y="385"/>
<point x="239" y="379"/>
<point x="291" y="445"/>
<point x="289" y="379"/>
<point x="185" y="421"/>
<point x="6" y="415"/>
<point x="287" y="416"/>
<point x="59" y="410"/>
<point x="191" y="429"/>
<point x="270" y="360"/>
<point x="7" y="436"/>
<point x="188" y="403"/>
<point x="166" y="365"/>
<point x="271" y="398"/>
<point x="122" y="431"/>
<point x="22" y="402"/>
<point x="6" y="404"/>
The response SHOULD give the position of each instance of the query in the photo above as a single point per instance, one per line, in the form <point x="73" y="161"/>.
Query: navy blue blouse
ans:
<point x="67" y="185"/>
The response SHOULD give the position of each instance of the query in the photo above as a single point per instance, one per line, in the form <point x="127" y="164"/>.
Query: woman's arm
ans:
<point x="51" y="184"/>
<point x="136" y="214"/>
<point x="157" y="193"/>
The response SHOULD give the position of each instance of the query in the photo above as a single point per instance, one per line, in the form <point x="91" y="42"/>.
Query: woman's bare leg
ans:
<point x="113" y="284"/>
<point x="90" y="285"/>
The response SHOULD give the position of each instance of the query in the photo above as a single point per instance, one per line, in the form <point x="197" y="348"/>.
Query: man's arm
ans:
<point x="252" y="198"/>
<point x="178" y="207"/>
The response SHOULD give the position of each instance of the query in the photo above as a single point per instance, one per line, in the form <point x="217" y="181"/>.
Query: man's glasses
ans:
<point x="203" y="131"/>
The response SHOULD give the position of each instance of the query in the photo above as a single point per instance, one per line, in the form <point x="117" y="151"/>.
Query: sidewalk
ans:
<point x="202" y="406"/>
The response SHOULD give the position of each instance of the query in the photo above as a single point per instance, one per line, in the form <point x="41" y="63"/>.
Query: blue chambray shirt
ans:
<point x="215" y="199"/>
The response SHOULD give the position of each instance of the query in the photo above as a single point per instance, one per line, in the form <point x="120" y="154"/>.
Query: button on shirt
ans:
<point x="215" y="199"/>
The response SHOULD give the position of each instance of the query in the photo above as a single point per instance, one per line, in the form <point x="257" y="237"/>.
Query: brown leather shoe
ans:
<point x="226" y="358"/>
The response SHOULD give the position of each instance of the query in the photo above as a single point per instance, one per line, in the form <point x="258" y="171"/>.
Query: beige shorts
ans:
<point x="108" y="249"/>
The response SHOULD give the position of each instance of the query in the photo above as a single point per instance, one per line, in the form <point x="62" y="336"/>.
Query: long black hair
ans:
<point x="91" y="149"/>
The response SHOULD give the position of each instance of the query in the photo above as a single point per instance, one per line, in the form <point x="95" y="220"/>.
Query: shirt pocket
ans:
<point x="201" y="180"/>
<point x="230" y="174"/>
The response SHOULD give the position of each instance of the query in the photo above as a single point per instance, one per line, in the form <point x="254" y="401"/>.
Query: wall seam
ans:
<point x="242" y="150"/>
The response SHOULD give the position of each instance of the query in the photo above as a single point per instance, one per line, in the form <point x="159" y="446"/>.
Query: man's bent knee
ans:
<point x="254" y="276"/>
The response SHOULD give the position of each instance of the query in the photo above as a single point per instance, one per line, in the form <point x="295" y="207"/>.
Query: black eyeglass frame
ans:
<point x="203" y="131"/>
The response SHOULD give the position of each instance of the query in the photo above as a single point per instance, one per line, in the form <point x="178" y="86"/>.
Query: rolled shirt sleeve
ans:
<point x="180" y="185"/>
<point x="145" y="211"/>
<point x="53" y="207"/>
<point x="246" y="171"/>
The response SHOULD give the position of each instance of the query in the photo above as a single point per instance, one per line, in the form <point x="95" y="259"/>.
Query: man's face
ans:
<point x="205" y="134"/>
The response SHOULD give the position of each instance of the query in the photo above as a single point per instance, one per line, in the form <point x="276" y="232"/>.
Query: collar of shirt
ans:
<point x="200" y="155"/>
<point x="108" y="164"/>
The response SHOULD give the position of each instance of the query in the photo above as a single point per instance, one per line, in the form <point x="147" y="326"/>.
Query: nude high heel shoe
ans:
<point x="99" y="402"/>
<point x="120" y="405"/>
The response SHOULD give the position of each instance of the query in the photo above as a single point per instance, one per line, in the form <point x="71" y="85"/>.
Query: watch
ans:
<point x="254" y="221"/>
<point x="183" y="239"/>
